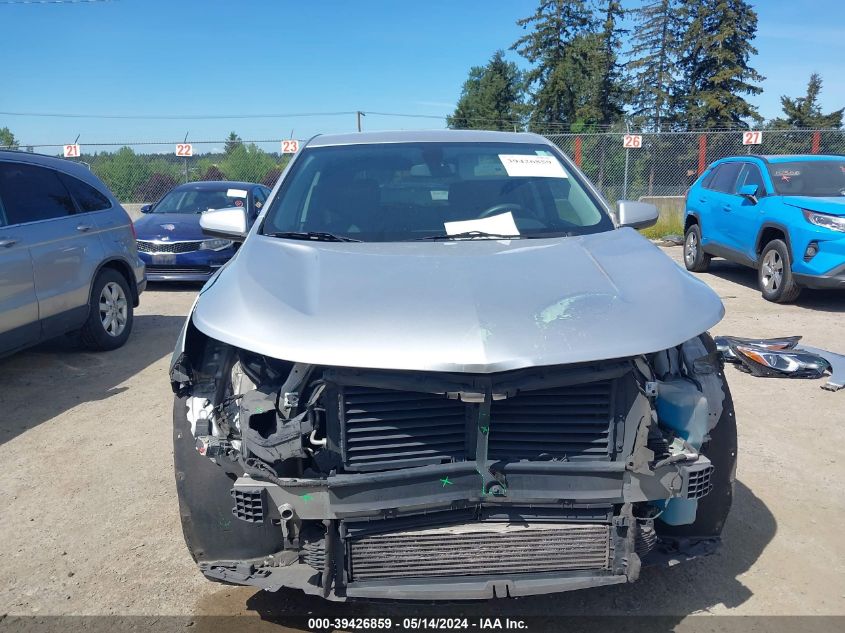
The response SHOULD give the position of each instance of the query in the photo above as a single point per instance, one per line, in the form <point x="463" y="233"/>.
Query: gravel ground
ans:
<point x="90" y="524"/>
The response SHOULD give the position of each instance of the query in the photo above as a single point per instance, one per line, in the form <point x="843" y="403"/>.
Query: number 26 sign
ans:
<point x="632" y="141"/>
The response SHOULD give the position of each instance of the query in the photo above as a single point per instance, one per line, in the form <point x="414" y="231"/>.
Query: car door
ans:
<point x="18" y="305"/>
<point x="721" y="200"/>
<point x="65" y="247"/>
<point x="746" y="215"/>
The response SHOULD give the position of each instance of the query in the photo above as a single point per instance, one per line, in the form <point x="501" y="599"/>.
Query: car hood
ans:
<point x="833" y="205"/>
<point x="464" y="306"/>
<point x="169" y="226"/>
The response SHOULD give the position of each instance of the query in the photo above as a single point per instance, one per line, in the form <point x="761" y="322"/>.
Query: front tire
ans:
<point x="695" y="259"/>
<point x="774" y="275"/>
<point x="110" y="312"/>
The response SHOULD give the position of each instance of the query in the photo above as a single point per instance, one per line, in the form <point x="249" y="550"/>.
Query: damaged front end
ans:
<point x="353" y="483"/>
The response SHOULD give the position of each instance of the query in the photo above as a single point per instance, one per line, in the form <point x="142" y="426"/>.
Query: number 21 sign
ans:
<point x="71" y="151"/>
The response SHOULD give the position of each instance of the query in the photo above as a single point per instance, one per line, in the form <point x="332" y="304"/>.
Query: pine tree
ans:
<point x="232" y="142"/>
<point x="491" y="98"/>
<point x="653" y="55"/>
<point x="556" y="46"/>
<point x="805" y="112"/>
<point x="715" y="51"/>
<point x="609" y="93"/>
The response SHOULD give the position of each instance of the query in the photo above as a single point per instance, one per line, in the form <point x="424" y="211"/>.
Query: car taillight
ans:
<point x="134" y="232"/>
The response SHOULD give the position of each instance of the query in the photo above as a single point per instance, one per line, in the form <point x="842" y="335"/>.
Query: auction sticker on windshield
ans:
<point x="236" y="193"/>
<point x="528" y="165"/>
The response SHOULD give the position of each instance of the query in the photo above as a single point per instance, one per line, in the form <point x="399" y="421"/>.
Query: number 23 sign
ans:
<point x="290" y="146"/>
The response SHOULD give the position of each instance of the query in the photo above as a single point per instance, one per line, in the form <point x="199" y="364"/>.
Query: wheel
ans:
<point x="775" y="274"/>
<point x="110" y="315"/>
<point x="695" y="259"/>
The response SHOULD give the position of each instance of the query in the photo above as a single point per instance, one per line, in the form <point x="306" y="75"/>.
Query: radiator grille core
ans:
<point x="474" y="549"/>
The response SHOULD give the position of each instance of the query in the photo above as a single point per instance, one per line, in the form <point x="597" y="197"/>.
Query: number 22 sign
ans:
<point x="752" y="138"/>
<point x="290" y="146"/>
<point x="184" y="149"/>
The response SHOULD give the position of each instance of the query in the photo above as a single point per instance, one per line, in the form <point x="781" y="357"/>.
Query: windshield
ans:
<point x="199" y="200"/>
<point x="819" y="178"/>
<point x="407" y="191"/>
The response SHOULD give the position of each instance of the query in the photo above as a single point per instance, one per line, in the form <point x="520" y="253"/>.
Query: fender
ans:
<point x="758" y="245"/>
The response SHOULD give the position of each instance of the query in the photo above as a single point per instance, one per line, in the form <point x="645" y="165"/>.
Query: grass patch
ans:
<point x="667" y="224"/>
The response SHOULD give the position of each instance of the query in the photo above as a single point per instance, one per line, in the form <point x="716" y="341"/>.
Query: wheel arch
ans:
<point x="692" y="218"/>
<point x="124" y="269"/>
<point x="772" y="231"/>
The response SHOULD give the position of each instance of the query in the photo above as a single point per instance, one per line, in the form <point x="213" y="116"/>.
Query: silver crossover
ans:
<point x="68" y="259"/>
<point x="440" y="367"/>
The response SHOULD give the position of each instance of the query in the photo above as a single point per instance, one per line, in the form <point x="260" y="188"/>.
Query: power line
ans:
<point x="7" y="2"/>
<point x="59" y="115"/>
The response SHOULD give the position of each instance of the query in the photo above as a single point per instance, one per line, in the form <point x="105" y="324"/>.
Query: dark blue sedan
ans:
<point x="170" y="240"/>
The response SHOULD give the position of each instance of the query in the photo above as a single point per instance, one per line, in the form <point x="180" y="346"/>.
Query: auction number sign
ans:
<point x="72" y="150"/>
<point x="290" y="146"/>
<point x="752" y="138"/>
<point x="632" y="141"/>
<point x="184" y="149"/>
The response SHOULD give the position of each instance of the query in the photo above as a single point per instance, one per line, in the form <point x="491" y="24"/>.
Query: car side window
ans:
<point x="751" y="176"/>
<point x="708" y="179"/>
<point x="88" y="198"/>
<point x="32" y="193"/>
<point x="725" y="178"/>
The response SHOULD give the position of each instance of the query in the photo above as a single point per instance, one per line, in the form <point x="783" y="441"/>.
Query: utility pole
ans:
<point x="186" y="158"/>
<point x="359" y="114"/>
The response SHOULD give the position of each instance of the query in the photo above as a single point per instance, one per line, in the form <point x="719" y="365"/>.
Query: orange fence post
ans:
<point x="578" y="151"/>
<point x="817" y="142"/>
<point x="702" y="153"/>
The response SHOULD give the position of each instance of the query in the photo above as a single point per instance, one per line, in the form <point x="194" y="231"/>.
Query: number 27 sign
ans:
<point x="752" y="138"/>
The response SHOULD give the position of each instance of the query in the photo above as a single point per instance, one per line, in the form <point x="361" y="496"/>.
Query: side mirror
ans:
<point x="146" y="208"/>
<point x="637" y="215"/>
<point x="749" y="192"/>
<point x="229" y="223"/>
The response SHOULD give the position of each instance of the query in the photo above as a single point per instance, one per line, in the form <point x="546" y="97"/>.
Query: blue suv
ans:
<point x="783" y="215"/>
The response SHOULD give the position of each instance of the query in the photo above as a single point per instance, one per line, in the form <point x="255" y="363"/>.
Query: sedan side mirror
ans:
<point x="749" y="192"/>
<point x="229" y="223"/>
<point x="146" y="208"/>
<point x="637" y="215"/>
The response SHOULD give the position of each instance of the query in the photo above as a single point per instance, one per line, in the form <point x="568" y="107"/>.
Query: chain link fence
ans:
<point x="659" y="168"/>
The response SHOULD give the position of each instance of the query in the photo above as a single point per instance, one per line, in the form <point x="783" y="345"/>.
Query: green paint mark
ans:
<point x="306" y="498"/>
<point x="485" y="430"/>
<point x="445" y="481"/>
<point x="259" y="410"/>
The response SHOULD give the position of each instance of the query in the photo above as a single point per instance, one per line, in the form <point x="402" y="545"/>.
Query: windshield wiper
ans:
<point x="317" y="236"/>
<point x="468" y="234"/>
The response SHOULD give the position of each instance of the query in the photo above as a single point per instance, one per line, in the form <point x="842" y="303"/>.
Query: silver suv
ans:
<point x="68" y="259"/>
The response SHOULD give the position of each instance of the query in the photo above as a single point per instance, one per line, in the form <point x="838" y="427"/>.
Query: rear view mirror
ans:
<point x="146" y="208"/>
<point x="229" y="223"/>
<point x="749" y="192"/>
<point x="637" y="215"/>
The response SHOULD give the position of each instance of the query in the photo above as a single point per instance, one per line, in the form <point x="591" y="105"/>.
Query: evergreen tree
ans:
<point x="232" y="142"/>
<point x="556" y="45"/>
<point x="491" y="98"/>
<point x="715" y="51"/>
<point x="805" y="112"/>
<point x="653" y="55"/>
<point x="606" y="98"/>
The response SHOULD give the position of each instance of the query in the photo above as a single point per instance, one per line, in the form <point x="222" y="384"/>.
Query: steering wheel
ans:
<point x="501" y="208"/>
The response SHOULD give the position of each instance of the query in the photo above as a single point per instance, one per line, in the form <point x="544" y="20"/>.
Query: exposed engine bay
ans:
<point x="437" y="485"/>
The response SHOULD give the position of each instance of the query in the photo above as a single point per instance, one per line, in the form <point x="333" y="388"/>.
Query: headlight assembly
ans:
<point x="832" y="222"/>
<point x="215" y="245"/>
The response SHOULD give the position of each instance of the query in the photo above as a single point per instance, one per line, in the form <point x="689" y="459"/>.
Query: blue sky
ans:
<point x="180" y="57"/>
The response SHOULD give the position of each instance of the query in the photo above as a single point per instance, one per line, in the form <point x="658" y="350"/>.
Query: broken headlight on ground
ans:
<point x="431" y="485"/>
<point x="783" y="357"/>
